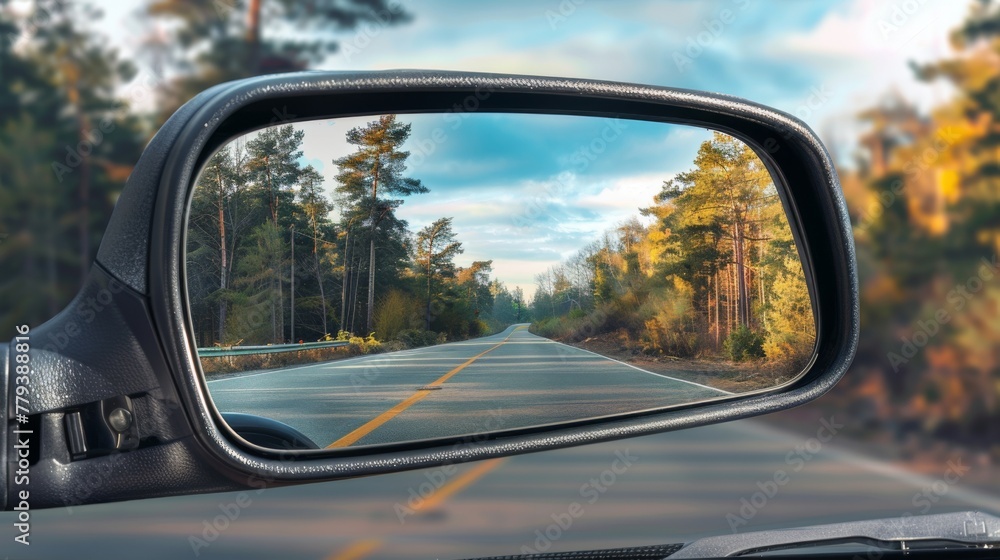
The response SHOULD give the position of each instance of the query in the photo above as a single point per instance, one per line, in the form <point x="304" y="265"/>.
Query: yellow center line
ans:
<point x="374" y="423"/>
<point x="458" y="484"/>
<point x="357" y="550"/>
<point x="364" y="547"/>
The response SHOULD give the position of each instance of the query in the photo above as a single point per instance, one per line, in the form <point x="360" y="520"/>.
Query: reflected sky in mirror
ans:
<point x="505" y="179"/>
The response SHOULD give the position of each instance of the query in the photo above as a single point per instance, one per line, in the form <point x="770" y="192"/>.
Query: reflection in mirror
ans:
<point x="402" y="277"/>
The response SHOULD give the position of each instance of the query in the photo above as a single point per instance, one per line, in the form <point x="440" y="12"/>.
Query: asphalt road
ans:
<point x="511" y="379"/>
<point x="679" y="486"/>
<point x="662" y="488"/>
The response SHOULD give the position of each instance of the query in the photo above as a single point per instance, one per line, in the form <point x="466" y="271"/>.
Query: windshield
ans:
<point x="903" y="94"/>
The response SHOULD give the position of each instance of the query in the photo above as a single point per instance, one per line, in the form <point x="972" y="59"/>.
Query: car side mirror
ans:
<point x="203" y="353"/>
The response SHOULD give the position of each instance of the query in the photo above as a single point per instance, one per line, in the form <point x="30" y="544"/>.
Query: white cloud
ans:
<point x="866" y="47"/>
<point x="623" y="197"/>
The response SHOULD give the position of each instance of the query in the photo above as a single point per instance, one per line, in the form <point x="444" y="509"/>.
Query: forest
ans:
<point x="713" y="273"/>
<point x="271" y="258"/>
<point x="76" y="112"/>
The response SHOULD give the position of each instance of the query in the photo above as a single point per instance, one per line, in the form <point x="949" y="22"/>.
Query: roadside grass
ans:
<point x="220" y="366"/>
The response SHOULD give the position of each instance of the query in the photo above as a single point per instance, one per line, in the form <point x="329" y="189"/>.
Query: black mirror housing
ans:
<point x="127" y="338"/>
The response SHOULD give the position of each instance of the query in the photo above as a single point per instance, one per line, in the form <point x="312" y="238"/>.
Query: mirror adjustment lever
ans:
<point x="101" y="428"/>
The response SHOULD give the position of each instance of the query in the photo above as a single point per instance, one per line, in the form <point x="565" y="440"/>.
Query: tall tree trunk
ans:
<point x="319" y="276"/>
<point x="743" y="307"/>
<point x="430" y="253"/>
<point x="345" y="281"/>
<point x="224" y="262"/>
<point x="715" y="285"/>
<point x="356" y="280"/>
<point x="277" y="267"/>
<point x="371" y="257"/>
<point x="272" y="197"/>
<point x="71" y="73"/>
<point x="281" y="303"/>
<point x="729" y="299"/>
<point x="253" y="38"/>
<point x="371" y="282"/>
<point x="274" y="313"/>
<point x="755" y="276"/>
<point x="291" y="289"/>
<point x="761" y="253"/>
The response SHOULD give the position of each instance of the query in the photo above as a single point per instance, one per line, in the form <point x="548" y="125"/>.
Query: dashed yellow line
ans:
<point x="458" y="484"/>
<point x="356" y="550"/>
<point x="363" y="548"/>
<point x="374" y="423"/>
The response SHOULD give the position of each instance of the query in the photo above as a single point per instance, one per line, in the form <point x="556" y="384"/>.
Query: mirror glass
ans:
<point x="390" y="278"/>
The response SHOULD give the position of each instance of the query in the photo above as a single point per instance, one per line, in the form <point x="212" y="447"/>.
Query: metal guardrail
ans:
<point x="216" y="352"/>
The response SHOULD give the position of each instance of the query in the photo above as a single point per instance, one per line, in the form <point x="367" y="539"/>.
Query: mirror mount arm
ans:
<point x="103" y="348"/>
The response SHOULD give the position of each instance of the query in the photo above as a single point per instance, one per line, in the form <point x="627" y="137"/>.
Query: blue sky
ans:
<point x="822" y="61"/>
<point x="772" y="51"/>
<point x="526" y="191"/>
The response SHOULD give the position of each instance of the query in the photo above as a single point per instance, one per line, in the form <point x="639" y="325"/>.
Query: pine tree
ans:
<point x="204" y="43"/>
<point x="374" y="170"/>
<point x="317" y="209"/>
<point x="66" y="146"/>
<point x="435" y="251"/>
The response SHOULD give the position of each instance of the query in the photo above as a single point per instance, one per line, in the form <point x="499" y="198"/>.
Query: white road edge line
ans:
<point x="643" y="370"/>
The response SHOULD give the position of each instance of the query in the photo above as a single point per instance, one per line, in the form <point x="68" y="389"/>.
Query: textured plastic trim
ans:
<point x="786" y="143"/>
<point x="4" y="376"/>
<point x="101" y="346"/>
<point x="965" y="527"/>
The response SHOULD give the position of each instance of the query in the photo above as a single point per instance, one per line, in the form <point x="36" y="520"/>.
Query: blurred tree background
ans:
<point x="75" y="115"/>
<point x="925" y="198"/>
